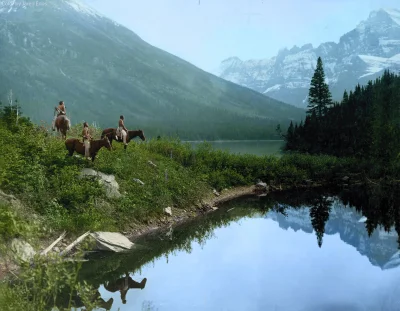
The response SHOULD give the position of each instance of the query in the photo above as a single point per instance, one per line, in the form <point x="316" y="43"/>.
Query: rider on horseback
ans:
<point x="60" y="110"/>
<point x="122" y="130"/>
<point x="86" y="139"/>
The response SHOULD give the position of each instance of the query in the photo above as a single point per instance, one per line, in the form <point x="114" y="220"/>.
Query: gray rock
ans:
<point x="108" y="181"/>
<point x="216" y="192"/>
<point x="112" y="241"/>
<point x="138" y="181"/>
<point x="22" y="250"/>
<point x="262" y="186"/>
<point x="168" y="210"/>
<point x="10" y="199"/>
<point x="151" y="163"/>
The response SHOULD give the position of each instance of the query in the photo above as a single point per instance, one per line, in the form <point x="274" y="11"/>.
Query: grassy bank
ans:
<point x="34" y="167"/>
<point x="52" y="197"/>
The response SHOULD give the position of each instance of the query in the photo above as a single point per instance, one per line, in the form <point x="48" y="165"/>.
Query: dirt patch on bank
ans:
<point x="208" y="204"/>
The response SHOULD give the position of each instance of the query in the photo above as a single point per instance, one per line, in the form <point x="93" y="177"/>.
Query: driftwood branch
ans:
<point x="73" y="244"/>
<point x="372" y="182"/>
<point x="53" y="244"/>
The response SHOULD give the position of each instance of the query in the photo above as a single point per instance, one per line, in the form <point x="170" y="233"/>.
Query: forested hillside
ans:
<point x="365" y="124"/>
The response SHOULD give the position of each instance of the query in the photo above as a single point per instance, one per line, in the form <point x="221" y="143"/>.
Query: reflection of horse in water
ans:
<point x="123" y="285"/>
<point x="62" y="124"/>
<point x="77" y="302"/>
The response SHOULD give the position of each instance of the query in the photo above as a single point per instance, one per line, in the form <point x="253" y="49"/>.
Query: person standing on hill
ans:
<point x="86" y="139"/>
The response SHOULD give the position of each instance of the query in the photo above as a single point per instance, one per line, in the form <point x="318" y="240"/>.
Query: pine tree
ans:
<point x="345" y="98"/>
<point x="290" y="137"/>
<point x="319" y="96"/>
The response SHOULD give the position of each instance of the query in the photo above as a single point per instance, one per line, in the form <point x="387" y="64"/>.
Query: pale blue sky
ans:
<point x="206" y="34"/>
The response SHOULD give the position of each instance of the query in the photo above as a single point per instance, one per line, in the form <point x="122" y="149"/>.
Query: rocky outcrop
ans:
<point x="108" y="181"/>
<point x="22" y="250"/>
<point x="168" y="211"/>
<point x="111" y="241"/>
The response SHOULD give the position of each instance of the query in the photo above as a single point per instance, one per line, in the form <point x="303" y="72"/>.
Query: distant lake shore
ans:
<point x="255" y="147"/>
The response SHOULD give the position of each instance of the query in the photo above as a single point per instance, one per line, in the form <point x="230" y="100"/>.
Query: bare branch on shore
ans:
<point x="53" y="244"/>
<point x="73" y="244"/>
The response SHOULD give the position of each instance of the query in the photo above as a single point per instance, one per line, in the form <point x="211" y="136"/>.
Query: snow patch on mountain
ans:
<point x="394" y="14"/>
<point x="83" y="8"/>
<point x="377" y="64"/>
<point x="273" y="88"/>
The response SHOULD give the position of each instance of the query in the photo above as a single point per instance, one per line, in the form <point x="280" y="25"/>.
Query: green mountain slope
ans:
<point x="62" y="50"/>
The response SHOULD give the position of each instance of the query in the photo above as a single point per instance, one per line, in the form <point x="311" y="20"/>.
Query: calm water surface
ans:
<point x="303" y="251"/>
<point x="257" y="147"/>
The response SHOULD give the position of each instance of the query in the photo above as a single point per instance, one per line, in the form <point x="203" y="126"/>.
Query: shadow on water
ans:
<point x="308" y="211"/>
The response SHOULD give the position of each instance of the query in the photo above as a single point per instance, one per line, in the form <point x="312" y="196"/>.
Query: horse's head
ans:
<point x="141" y="135"/>
<point x="106" y="143"/>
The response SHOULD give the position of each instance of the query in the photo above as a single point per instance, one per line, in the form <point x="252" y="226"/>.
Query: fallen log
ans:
<point x="73" y="244"/>
<point x="44" y="252"/>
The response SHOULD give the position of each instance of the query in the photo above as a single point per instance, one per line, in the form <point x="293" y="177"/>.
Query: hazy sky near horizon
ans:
<point x="207" y="33"/>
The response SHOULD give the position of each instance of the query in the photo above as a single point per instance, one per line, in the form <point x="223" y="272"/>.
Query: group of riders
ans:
<point x="86" y="137"/>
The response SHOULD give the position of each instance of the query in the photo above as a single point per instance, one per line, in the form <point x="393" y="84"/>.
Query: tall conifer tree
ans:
<point x="319" y="96"/>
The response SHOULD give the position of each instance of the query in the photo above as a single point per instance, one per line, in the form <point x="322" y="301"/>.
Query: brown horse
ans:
<point x="73" y="144"/>
<point x="110" y="133"/>
<point x="62" y="124"/>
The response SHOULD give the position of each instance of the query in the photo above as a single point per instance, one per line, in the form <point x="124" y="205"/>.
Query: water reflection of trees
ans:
<point x="379" y="203"/>
<point x="318" y="201"/>
<point x="319" y="213"/>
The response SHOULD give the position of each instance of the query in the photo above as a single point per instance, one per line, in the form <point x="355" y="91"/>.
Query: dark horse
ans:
<point x="110" y="133"/>
<point x="62" y="125"/>
<point x="73" y="144"/>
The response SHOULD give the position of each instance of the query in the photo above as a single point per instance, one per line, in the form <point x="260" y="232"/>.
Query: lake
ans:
<point x="257" y="147"/>
<point x="300" y="251"/>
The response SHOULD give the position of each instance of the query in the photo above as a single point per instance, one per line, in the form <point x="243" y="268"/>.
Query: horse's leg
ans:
<point x="110" y="139"/>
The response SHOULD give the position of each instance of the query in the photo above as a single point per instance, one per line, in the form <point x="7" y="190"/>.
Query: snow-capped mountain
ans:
<point x="360" y="55"/>
<point x="381" y="248"/>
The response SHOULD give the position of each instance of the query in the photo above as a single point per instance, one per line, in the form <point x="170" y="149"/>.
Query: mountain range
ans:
<point x="64" y="50"/>
<point x="361" y="55"/>
<point x="381" y="247"/>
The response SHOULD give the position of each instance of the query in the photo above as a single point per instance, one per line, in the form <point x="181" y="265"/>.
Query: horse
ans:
<point x="62" y="124"/>
<point x="110" y="133"/>
<point x="73" y="144"/>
